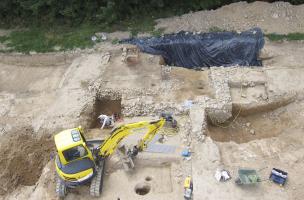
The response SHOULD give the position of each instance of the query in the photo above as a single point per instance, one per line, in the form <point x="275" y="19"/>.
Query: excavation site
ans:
<point x="190" y="114"/>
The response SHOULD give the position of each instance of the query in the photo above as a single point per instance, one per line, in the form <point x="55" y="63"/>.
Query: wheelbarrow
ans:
<point x="247" y="177"/>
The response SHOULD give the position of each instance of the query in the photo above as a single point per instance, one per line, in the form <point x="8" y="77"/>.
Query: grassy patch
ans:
<point x="289" y="37"/>
<point x="115" y="41"/>
<point x="216" y="29"/>
<point x="60" y="38"/>
<point x="45" y="40"/>
<point x="157" y="32"/>
<point x="3" y="39"/>
<point x="136" y="25"/>
<point x="67" y="38"/>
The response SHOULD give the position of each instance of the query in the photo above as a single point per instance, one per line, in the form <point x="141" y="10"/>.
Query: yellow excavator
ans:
<point x="80" y="161"/>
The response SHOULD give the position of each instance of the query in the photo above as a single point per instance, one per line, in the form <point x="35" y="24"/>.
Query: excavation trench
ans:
<point x="23" y="157"/>
<point x="242" y="129"/>
<point x="107" y="107"/>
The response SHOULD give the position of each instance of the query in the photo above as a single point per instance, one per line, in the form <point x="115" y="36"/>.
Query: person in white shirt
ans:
<point x="106" y="121"/>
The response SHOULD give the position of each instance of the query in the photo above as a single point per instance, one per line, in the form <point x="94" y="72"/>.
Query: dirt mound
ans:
<point x="23" y="157"/>
<point x="278" y="17"/>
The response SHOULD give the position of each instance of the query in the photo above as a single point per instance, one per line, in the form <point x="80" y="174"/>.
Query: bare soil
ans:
<point x="278" y="17"/>
<point x="107" y="107"/>
<point x="24" y="156"/>
<point x="147" y="73"/>
<point x="257" y="126"/>
<point x="45" y="93"/>
<point x="194" y="83"/>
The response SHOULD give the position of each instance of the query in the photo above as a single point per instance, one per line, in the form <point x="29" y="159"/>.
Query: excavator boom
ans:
<point x="121" y="132"/>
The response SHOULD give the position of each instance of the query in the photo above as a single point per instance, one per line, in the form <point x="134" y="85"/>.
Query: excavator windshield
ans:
<point x="74" y="153"/>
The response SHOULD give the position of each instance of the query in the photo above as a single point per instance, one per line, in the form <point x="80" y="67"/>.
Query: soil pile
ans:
<point x="23" y="158"/>
<point x="278" y="17"/>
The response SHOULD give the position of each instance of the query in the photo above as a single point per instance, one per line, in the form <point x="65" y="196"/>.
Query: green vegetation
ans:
<point x="67" y="38"/>
<point x="75" y="12"/>
<point x="115" y="41"/>
<point x="137" y="25"/>
<point x="50" y="25"/>
<point x="216" y="29"/>
<point x="157" y="32"/>
<point x="289" y="37"/>
<point x="3" y="39"/>
<point x="62" y="38"/>
<point x="43" y="40"/>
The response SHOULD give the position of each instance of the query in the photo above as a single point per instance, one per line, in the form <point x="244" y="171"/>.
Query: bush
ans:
<point x="74" y="12"/>
<point x="289" y="36"/>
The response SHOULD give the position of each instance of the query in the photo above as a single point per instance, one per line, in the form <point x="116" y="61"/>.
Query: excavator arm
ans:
<point x="121" y="132"/>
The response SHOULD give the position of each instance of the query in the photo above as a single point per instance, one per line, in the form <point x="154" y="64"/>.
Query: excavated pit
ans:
<point x="105" y="106"/>
<point x="148" y="178"/>
<point x="142" y="188"/>
<point x="23" y="157"/>
<point x="242" y="129"/>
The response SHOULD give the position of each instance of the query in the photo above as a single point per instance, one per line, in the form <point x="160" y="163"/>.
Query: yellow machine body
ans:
<point x="65" y="141"/>
<point x="187" y="182"/>
<point x="75" y="162"/>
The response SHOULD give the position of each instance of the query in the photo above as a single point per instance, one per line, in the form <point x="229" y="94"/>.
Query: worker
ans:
<point x="106" y="121"/>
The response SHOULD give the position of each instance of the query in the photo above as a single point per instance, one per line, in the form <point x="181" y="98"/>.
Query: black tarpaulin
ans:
<point x="190" y="50"/>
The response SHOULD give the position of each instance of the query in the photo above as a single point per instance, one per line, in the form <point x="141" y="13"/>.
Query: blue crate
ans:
<point x="278" y="176"/>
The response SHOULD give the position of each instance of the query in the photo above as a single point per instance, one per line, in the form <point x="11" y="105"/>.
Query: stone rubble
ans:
<point x="198" y="122"/>
<point x="137" y="102"/>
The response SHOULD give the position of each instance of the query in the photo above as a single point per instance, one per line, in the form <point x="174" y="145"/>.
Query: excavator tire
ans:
<point x="61" y="188"/>
<point x="97" y="181"/>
